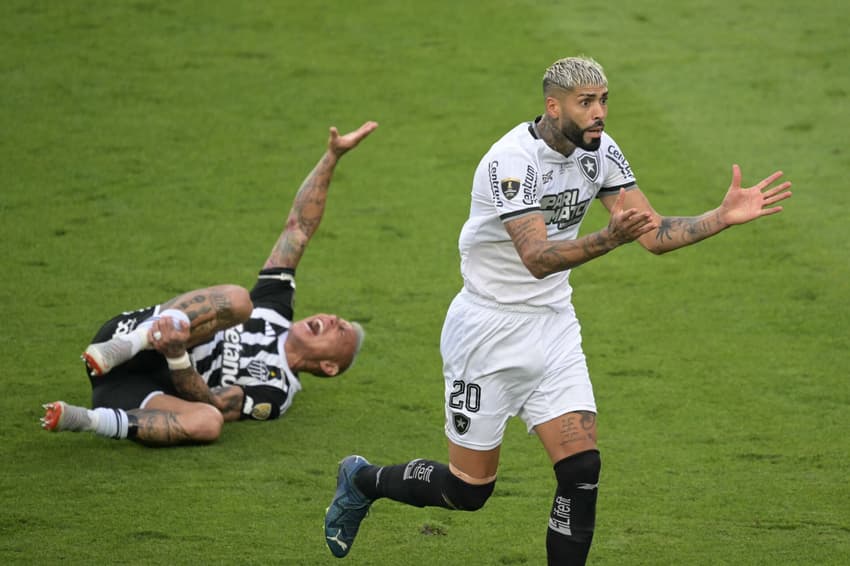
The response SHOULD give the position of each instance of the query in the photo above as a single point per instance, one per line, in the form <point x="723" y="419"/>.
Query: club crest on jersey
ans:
<point x="258" y="370"/>
<point x="589" y="166"/>
<point x="460" y="422"/>
<point x="510" y="187"/>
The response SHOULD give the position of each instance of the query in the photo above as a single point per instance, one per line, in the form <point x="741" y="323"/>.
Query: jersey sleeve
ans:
<point x="511" y="183"/>
<point x="262" y="402"/>
<point x="275" y="289"/>
<point x="618" y="172"/>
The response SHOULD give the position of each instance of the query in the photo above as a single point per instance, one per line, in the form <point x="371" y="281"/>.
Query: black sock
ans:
<point x="419" y="482"/>
<point x="132" y="426"/>
<point x="573" y="516"/>
<point x="422" y="483"/>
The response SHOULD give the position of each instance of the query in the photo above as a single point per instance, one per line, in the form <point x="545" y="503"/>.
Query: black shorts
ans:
<point x="127" y="386"/>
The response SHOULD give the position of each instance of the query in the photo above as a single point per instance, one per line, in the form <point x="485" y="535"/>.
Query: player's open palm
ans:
<point x="339" y="144"/>
<point x="627" y="225"/>
<point x="742" y="204"/>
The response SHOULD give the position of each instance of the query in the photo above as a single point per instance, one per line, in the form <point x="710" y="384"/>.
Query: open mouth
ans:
<point x="316" y="326"/>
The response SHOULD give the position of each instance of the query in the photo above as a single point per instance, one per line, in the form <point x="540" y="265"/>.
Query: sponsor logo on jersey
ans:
<point x="460" y="422"/>
<point x="510" y="187"/>
<point x="589" y="166"/>
<point x="493" y="168"/>
<point x="231" y="352"/>
<point x="548" y="176"/>
<point x="261" y="411"/>
<point x="529" y="184"/>
<point x="563" y="209"/>
<point x="616" y="156"/>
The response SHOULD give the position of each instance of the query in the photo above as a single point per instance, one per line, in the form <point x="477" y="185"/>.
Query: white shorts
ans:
<point x="500" y="361"/>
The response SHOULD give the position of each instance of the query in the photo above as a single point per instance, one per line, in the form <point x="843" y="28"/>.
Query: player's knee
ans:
<point x="204" y="423"/>
<point x="579" y="469"/>
<point x="241" y="305"/>
<point x="465" y="496"/>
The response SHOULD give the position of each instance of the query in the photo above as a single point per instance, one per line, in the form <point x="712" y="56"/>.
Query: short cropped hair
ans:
<point x="571" y="72"/>
<point x="361" y="335"/>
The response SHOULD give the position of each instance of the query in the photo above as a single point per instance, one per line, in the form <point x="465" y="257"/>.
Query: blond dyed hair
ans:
<point x="572" y="72"/>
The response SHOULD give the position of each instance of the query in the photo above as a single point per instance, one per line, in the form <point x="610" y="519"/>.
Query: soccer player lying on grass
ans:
<point x="511" y="343"/>
<point x="174" y="373"/>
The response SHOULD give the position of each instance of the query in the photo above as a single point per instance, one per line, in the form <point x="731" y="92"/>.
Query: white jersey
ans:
<point x="521" y="174"/>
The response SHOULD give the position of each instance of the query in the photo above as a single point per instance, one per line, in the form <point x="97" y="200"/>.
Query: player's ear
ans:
<point x="553" y="107"/>
<point x="329" y="368"/>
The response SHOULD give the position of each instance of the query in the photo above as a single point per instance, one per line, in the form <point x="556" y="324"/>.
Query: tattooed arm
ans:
<point x="740" y="205"/>
<point x="309" y="204"/>
<point x="192" y="387"/>
<point x="171" y="342"/>
<point x="543" y="257"/>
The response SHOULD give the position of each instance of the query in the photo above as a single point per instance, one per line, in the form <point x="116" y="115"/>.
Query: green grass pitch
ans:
<point x="150" y="147"/>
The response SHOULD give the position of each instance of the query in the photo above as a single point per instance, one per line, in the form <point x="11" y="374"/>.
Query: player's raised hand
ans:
<point x="628" y="225"/>
<point x="742" y="204"/>
<point x="339" y="144"/>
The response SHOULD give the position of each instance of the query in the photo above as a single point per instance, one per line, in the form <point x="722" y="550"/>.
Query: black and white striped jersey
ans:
<point x="251" y="354"/>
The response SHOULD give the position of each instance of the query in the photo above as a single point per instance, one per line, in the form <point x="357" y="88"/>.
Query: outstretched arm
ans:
<point x="740" y="205"/>
<point x="309" y="204"/>
<point x="543" y="257"/>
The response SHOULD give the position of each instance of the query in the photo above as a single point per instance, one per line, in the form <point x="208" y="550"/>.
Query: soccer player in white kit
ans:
<point x="511" y="344"/>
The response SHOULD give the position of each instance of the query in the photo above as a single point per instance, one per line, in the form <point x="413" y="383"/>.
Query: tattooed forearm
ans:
<point x="192" y="386"/>
<point x="288" y="249"/>
<point x="305" y="216"/>
<point x="226" y="398"/>
<point x="559" y="256"/>
<point x="676" y="232"/>
<point x="523" y="231"/>
<point x="229" y="401"/>
<point x="542" y="256"/>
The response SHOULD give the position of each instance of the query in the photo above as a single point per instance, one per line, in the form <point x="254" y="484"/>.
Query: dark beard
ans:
<point x="576" y="135"/>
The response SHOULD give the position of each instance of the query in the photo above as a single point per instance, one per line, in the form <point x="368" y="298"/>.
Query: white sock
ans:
<point x="109" y="422"/>
<point x="138" y="338"/>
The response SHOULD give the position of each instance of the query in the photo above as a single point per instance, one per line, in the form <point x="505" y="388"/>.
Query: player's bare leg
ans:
<point x="476" y="467"/>
<point x="169" y="421"/>
<point x="165" y="421"/>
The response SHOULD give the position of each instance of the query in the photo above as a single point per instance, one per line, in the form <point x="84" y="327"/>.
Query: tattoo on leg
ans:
<point x="193" y="305"/>
<point x="588" y="420"/>
<point x="223" y="308"/>
<point x="578" y="427"/>
<point x="159" y="427"/>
